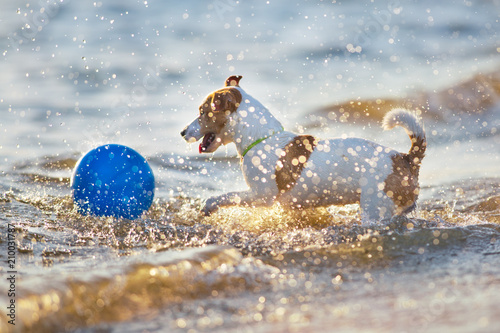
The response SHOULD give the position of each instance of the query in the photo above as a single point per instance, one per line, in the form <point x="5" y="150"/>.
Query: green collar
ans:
<point x="253" y="144"/>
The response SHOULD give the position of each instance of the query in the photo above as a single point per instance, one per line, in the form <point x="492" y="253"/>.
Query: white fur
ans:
<point x="339" y="171"/>
<point x="405" y="119"/>
<point x="193" y="133"/>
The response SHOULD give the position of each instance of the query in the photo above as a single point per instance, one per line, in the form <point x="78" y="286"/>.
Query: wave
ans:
<point x="137" y="270"/>
<point x="141" y="285"/>
<point x="136" y="286"/>
<point x="475" y="95"/>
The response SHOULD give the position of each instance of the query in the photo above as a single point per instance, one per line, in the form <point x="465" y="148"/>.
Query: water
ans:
<point x="79" y="74"/>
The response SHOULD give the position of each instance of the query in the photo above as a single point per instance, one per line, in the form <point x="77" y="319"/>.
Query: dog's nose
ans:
<point x="183" y="133"/>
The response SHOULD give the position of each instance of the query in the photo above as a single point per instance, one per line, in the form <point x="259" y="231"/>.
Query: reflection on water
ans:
<point x="264" y="267"/>
<point x="134" y="73"/>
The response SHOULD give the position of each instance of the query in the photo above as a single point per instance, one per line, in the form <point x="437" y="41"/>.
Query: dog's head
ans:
<point x="215" y="114"/>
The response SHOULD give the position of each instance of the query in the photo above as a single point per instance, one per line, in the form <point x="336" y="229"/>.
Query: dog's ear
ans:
<point x="233" y="80"/>
<point x="227" y="99"/>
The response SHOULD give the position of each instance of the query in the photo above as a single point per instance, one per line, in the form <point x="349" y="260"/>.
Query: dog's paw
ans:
<point x="209" y="207"/>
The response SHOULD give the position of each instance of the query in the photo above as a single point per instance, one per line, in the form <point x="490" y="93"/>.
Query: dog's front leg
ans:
<point x="244" y="198"/>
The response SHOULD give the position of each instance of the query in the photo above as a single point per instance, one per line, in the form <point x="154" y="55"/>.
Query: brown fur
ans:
<point x="292" y="161"/>
<point x="216" y="107"/>
<point x="417" y="150"/>
<point x="402" y="184"/>
<point x="233" y="80"/>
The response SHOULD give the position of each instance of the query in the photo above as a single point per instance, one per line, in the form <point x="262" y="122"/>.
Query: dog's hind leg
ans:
<point x="375" y="206"/>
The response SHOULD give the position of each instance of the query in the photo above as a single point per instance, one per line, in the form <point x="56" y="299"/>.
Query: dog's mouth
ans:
<point x="207" y="141"/>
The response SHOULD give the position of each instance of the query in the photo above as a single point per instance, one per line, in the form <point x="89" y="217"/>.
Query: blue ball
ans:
<point x="113" y="180"/>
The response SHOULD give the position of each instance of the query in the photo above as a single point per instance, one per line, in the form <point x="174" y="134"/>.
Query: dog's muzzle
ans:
<point x="191" y="133"/>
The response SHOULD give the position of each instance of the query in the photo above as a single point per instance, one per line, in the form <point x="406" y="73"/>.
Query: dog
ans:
<point x="302" y="171"/>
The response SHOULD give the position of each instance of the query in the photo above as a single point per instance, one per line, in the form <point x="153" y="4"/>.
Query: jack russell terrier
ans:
<point x="302" y="171"/>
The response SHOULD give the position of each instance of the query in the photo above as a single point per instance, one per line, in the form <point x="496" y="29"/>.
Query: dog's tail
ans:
<point x="407" y="120"/>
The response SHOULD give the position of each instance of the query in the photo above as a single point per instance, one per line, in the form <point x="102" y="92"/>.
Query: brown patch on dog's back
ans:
<point x="402" y="184"/>
<point x="292" y="161"/>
